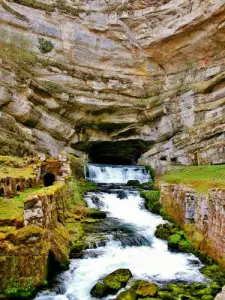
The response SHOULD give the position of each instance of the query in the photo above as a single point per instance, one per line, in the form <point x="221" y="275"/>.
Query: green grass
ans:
<point x="200" y="178"/>
<point x="26" y="172"/>
<point x="13" y="208"/>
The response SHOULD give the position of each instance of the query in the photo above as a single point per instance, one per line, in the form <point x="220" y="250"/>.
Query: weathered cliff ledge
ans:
<point x="76" y="75"/>
<point x="201" y="215"/>
<point x="40" y="223"/>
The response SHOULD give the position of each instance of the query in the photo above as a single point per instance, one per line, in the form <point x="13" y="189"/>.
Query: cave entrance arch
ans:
<point x="117" y="152"/>
<point x="49" y="179"/>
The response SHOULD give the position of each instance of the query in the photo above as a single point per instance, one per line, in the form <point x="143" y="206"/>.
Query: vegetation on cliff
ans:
<point x="35" y="237"/>
<point x="200" y="178"/>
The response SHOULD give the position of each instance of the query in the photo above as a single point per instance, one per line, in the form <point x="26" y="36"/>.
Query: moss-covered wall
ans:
<point x="45" y="224"/>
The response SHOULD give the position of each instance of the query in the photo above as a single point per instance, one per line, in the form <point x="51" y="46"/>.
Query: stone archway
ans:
<point x="49" y="179"/>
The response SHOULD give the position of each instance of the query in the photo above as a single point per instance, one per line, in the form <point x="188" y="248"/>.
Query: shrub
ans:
<point x="45" y="46"/>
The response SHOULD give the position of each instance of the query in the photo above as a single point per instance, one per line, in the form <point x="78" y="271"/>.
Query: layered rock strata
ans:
<point x="74" y="74"/>
<point x="201" y="215"/>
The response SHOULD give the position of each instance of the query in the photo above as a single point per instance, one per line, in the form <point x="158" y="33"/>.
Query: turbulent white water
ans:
<point x="116" y="174"/>
<point x="151" y="262"/>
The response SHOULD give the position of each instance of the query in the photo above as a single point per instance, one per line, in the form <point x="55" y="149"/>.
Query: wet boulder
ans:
<point x="96" y="214"/>
<point x="127" y="295"/>
<point x="99" y="290"/>
<point x="117" y="279"/>
<point x="133" y="183"/>
<point x="112" y="283"/>
<point x="146" y="289"/>
<point x="164" y="231"/>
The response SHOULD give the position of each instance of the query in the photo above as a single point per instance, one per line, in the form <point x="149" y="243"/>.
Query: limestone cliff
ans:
<point x="145" y="75"/>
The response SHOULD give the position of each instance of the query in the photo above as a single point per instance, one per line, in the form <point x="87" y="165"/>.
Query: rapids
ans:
<point x="129" y="240"/>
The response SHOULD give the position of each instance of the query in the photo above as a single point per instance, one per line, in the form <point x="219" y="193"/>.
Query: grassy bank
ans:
<point x="200" y="178"/>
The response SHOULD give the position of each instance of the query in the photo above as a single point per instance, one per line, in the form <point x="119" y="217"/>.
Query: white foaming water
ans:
<point x="152" y="263"/>
<point x="116" y="174"/>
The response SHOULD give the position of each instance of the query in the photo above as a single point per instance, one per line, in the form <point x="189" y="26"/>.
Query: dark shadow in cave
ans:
<point x="49" y="179"/>
<point x="117" y="153"/>
<point x="2" y="192"/>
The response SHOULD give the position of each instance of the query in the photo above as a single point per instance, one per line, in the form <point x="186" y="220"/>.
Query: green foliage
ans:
<point x="152" y="200"/>
<point x="215" y="273"/>
<point x="77" y="167"/>
<point x="163" y="213"/>
<point x="45" y="46"/>
<point x="16" y="290"/>
<point x="151" y="171"/>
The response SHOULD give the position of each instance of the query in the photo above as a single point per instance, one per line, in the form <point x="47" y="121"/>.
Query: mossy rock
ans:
<point x="99" y="290"/>
<point x="166" y="296"/>
<point x="164" y="231"/>
<point x="27" y="234"/>
<point x="152" y="200"/>
<point x="96" y="214"/>
<point x="127" y="295"/>
<point x="147" y="185"/>
<point x="185" y="246"/>
<point x="215" y="273"/>
<point x="173" y="241"/>
<point x="117" y="279"/>
<point x="203" y="292"/>
<point x="207" y="297"/>
<point x="216" y="288"/>
<point x="133" y="183"/>
<point x="146" y="289"/>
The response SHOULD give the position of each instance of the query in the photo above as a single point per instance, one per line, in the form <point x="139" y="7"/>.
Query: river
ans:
<point x="129" y="238"/>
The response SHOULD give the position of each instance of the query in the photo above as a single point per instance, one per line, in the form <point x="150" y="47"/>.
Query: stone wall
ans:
<point x="204" y="213"/>
<point x="47" y="207"/>
<point x="9" y="186"/>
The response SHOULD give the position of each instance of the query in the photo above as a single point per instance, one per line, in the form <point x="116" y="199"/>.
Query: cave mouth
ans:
<point x="117" y="153"/>
<point x="49" y="179"/>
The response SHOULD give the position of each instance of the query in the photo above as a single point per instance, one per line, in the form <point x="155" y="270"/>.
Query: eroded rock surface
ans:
<point x="77" y="73"/>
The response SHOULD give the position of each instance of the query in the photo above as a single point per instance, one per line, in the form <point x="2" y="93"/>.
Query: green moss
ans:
<point x="99" y="290"/>
<point x="215" y="273"/>
<point x="12" y="209"/>
<point x="201" y="178"/>
<point x="151" y="171"/>
<point x="36" y="4"/>
<point x="77" y="167"/>
<point x="117" y="279"/>
<point x="45" y="46"/>
<point x="146" y="289"/>
<point x="127" y="295"/>
<point x="164" y="231"/>
<point x="52" y="87"/>
<point x="15" y="289"/>
<point x="152" y="200"/>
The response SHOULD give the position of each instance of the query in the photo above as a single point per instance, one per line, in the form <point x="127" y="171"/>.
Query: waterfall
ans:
<point x="126" y="240"/>
<point x="116" y="174"/>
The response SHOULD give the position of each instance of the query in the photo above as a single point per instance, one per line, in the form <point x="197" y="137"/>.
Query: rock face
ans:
<point x="78" y="74"/>
<point x="201" y="215"/>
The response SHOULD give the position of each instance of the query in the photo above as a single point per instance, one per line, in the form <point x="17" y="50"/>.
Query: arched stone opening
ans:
<point x="49" y="179"/>
<point x="2" y="192"/>
<point x="18" y="188"/>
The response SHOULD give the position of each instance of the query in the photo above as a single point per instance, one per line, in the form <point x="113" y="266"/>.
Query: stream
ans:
<point x="125" y="239"/>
